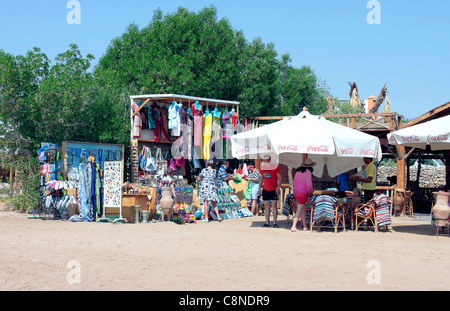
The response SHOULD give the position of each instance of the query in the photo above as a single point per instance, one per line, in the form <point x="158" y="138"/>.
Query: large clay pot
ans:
<point x="441" y="210"/>
<point x="166" y="202"/>
<point x="399" y="200"/>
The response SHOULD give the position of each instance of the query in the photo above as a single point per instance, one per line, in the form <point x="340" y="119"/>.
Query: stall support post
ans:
<point x="401" y="182"/>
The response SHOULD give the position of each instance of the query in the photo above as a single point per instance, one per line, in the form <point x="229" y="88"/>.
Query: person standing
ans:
<point x="342" y="182"/>
<point x="302" y="186"/>
<point x="208" y="189"/>
<point x="222" y="174"/>
<point x="270" y="181"/>
<point x="369" y="182"/>
<point x="253" y="178"/>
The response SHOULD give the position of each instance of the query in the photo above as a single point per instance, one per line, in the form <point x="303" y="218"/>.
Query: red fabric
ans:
<point x="301" y="197"/>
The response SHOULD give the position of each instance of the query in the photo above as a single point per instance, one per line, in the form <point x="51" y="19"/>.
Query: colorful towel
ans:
<point x="382" y="212"/>
<point x="324" y="208"/>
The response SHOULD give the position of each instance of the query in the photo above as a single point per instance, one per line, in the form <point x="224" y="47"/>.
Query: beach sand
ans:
<point x="234" y="255"/>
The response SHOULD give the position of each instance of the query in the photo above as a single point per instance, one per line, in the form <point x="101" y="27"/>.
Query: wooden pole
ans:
<point x="10" y="180"/>
<point x="401" y="181"/>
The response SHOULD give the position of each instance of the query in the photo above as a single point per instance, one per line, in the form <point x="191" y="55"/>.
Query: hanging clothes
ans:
<point x="160" y="123"/>
<point x="216" y="137"/>
<point x="173" y="119"/>
<point x="98" y="192"/>
<point x="197" y="112"/>
<point x="82" y="193"/>
<point x="183" y="129"/>
<point x="234" y="118"/>
<point x="137" y="122"/>
<point x="156" y="113"/>
<point x="226" y="132"/>
<point x="207" y="132"/>
<point x="151" y="121"/>
<point x="189" y="136"/>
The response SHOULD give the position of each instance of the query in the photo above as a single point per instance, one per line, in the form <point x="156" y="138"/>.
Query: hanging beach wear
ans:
<point x="189" y="136"/>
<point x="137" y="122"/>
<point x="197" y="112"/>
<point x="173" y="119"/>
<point x="226" y="132"/>
<point x="207" y="125"/>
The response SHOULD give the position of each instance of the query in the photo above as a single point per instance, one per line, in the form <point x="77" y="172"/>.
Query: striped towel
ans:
<point x="366" y="210"/>
<point x="324" y="207"/>
<point x="383" y="202"/>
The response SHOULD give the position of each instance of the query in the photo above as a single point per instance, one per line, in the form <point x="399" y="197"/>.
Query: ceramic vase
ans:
<point x="441" y="210"/>
<point x="399" y="200"/>
<point x="166" y="202"/>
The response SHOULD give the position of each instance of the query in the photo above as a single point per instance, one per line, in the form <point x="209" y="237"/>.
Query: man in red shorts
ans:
<point x="270" y="181"/>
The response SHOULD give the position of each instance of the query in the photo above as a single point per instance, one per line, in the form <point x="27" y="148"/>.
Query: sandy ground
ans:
<point x="237" y="255"/>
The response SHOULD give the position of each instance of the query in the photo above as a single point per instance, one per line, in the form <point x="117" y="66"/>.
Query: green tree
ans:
<point x="259" y="94"/>
<point x="300" y="88"/>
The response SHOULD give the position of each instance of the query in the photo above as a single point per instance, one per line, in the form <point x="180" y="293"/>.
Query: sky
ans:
<point x="403" y="43"/>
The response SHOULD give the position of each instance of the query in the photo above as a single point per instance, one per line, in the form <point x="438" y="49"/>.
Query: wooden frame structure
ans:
<point x="377" y="124"/>
<point x="165" y="99"/>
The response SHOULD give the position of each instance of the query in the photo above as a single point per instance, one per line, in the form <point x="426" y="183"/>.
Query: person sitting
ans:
<point x="355" y="200"/>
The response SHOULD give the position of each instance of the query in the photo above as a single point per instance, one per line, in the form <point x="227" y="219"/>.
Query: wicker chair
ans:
<point x="336" y="215"/>
<point x="365" y="212"/>
<point x="409" y="203"/>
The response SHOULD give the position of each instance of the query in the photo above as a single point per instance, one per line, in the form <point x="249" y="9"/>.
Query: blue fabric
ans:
<point x="222" y="174"/>
<point x="82" y="195"/>
<point x="343" y="182"/>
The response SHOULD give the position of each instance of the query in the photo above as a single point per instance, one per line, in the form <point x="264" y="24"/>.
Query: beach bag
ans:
<point x="148" y="162"/>
<point x="161" y="165"/>
<point x="238" y="178"/>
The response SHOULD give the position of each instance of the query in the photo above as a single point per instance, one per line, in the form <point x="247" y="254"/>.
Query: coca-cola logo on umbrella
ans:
<point x="367" y="152"/>
<point x="318" y="149"/>
<point x="346" y="151"/>
<point x="410" y="139"/>
<point x="287" y="148"/>
<point x="437" y="138"/>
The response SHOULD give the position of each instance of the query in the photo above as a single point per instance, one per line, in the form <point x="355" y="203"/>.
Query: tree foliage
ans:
<point x="183" y="52"/>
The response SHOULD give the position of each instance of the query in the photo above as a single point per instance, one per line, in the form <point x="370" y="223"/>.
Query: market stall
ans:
<point x="72" y="179"/>
<point x="180" y="132"/>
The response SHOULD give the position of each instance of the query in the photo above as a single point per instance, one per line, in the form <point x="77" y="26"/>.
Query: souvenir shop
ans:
<point x="76" y="180"/>
<point x="181" y="133"/>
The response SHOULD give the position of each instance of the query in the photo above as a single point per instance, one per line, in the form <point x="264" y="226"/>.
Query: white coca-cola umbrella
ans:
<point x="338" y="147"/>
<point x="435" y="133"/>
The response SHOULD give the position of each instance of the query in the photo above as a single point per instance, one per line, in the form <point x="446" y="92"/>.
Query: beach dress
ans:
<point x="137" y="122"/>
<point x="173" y="119"/>
<point x="207" y="131"/>
<point x="226" y="133"/>
<point x="198" y="122"/>
<point x="216" y="141"/>
<point x="208" y="186"/>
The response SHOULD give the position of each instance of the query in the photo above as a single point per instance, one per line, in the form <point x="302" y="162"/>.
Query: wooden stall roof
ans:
<point x="435" y="113"/>
<point x="184" y="99"/>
